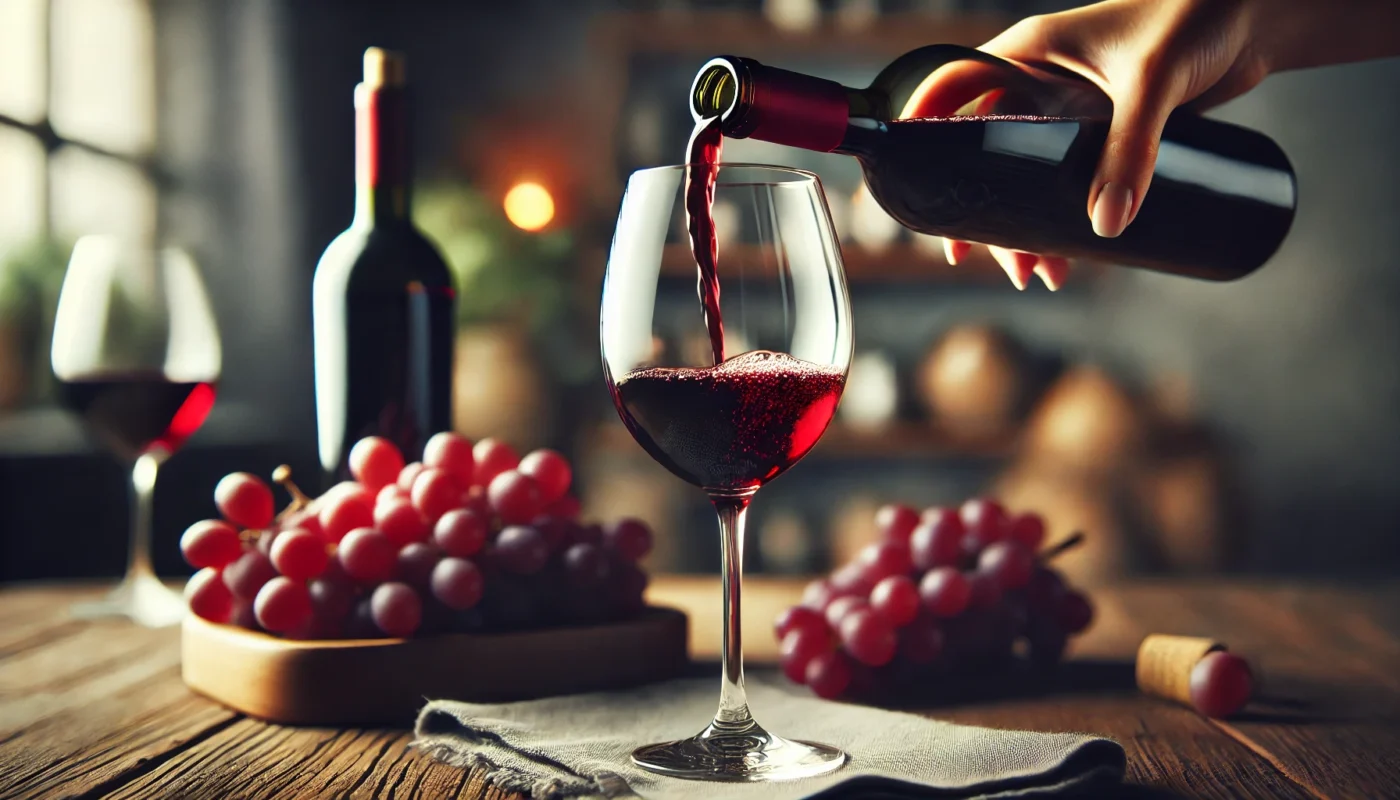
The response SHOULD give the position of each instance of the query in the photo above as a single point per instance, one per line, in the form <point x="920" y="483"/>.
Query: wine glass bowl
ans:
<point x="786" y="316"/>
<point x="729" y="427"/>
<point x="137" y="356"/>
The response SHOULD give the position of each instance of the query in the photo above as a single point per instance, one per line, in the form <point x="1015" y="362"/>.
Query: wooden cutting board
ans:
<point x="386" y="681"/>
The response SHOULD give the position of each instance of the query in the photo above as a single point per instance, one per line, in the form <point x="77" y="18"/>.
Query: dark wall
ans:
<point x="1300" y="363"/>
<point x="465" y="61"/>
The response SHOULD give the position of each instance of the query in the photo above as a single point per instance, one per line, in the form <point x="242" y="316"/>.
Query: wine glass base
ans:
<point x="141" y="598"/>
<point x="750" y="755"/>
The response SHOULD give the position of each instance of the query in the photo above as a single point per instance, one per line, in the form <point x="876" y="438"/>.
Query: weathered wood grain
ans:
<point x="92" y="705"/>
<point x="251" y="760"/>
<point x="1329" y="715"/>
<point x="31" y="616"/>
<point x="104" y="745"/>
<point x="101" y="659"/>
<point x="1167" y="748"/>
<point x="42" y="600"/>
<point x="97" y="709"/>
<point x="1334" y="724"/>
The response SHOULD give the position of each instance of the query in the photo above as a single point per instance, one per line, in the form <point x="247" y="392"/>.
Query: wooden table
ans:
<point x="98" y="710"/>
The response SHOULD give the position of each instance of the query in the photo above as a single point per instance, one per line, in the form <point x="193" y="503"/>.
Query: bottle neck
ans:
<point x="756" y="101"/>
<point x="382" y="186"/>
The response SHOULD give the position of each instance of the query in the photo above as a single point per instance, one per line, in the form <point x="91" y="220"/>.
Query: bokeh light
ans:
<point x="529" y="206"/>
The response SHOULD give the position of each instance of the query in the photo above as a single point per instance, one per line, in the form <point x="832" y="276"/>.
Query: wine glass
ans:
<point x="137" y="356"/>
<point x="731" y="428"/>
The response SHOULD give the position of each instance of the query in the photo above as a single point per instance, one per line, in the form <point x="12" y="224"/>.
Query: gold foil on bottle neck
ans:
<point x="383" y="68"/>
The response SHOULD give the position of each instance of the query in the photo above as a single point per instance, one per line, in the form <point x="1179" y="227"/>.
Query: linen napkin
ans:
<point x="579" y="746"/>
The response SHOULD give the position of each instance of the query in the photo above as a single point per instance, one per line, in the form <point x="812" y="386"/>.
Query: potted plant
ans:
<point x="512" y="286"/>
<point x="31" y="275"/>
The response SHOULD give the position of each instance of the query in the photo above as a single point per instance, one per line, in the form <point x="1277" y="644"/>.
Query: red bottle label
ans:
<point x="381" y="132"/>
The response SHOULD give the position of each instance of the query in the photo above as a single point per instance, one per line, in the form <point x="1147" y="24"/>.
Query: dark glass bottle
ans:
<point x="958" y="143"/>
<point x="382" y="302"/>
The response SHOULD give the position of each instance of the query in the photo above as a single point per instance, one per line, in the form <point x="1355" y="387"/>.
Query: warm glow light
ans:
<point x="529" y="206"/>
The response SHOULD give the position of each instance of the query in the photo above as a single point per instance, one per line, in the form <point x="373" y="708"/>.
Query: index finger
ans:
<point x="953" y="86"/>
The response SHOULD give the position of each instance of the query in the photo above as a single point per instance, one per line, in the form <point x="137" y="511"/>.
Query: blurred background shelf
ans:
<point x="252" y="170"/>
<point x="910" y="440"/>
<point x="633" y="49"/>
<point x="901" y="263"/>
<point x="904" y="440"/>
<point x="706" y="32"/>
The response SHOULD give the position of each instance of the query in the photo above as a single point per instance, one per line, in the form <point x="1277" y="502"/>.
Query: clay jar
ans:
<point x="973" y="382"/>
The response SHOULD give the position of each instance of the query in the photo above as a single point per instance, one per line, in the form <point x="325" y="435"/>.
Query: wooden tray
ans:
<point x="375" y="681"/>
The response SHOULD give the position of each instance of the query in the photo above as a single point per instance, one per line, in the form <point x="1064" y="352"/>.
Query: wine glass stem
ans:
<point x="733" y="714"/>
<point x="143" y="487"/>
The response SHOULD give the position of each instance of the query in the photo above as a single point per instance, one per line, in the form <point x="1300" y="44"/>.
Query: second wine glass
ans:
<point x="728" y="427"/>
<point x="137" y="355"/>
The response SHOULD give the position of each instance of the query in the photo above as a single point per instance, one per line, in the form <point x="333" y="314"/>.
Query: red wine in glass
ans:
<point x="136" y="412"/>
<point x="732" y="427"/>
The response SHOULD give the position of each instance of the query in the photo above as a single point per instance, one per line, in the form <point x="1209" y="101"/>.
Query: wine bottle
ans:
<point x="382" y="299"/>
<point x="958" y="143"/>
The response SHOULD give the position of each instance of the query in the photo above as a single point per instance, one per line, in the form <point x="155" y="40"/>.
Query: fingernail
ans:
<point x="1025" y="264"/>
<point x="1111" y="209"/>
<point x="955" y="250"/>
<point x="1046" y="278"/>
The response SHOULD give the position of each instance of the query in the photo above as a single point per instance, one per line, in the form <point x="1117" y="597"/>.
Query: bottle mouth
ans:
<point x="716" y="89"/>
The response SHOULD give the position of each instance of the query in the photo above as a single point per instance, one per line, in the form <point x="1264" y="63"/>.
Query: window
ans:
<point x="163" y="120"/>
<point x="77" y="119"/>
<point x="77" y="137"/>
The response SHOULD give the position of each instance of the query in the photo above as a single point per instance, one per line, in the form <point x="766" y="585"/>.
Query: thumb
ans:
<point x="1129" y="156"/>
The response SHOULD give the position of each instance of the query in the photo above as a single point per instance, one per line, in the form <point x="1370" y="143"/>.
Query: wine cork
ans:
<point x="1164" y="664"/>
<point x="383" y="68"/>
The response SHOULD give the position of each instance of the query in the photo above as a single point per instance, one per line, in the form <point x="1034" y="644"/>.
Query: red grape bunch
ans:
<point x="946" y="592"/>
<point x="472" y="538"/>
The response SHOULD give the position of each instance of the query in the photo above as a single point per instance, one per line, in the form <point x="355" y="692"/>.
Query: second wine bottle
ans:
<point x="383" y="305"/>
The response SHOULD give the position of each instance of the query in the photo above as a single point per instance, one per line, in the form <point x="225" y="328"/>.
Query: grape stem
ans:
<point x="282" y="476"/>
<point x="1068" y="543"/>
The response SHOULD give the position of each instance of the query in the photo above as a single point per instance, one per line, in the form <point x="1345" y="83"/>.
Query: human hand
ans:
<point x="1149" y="57"/>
